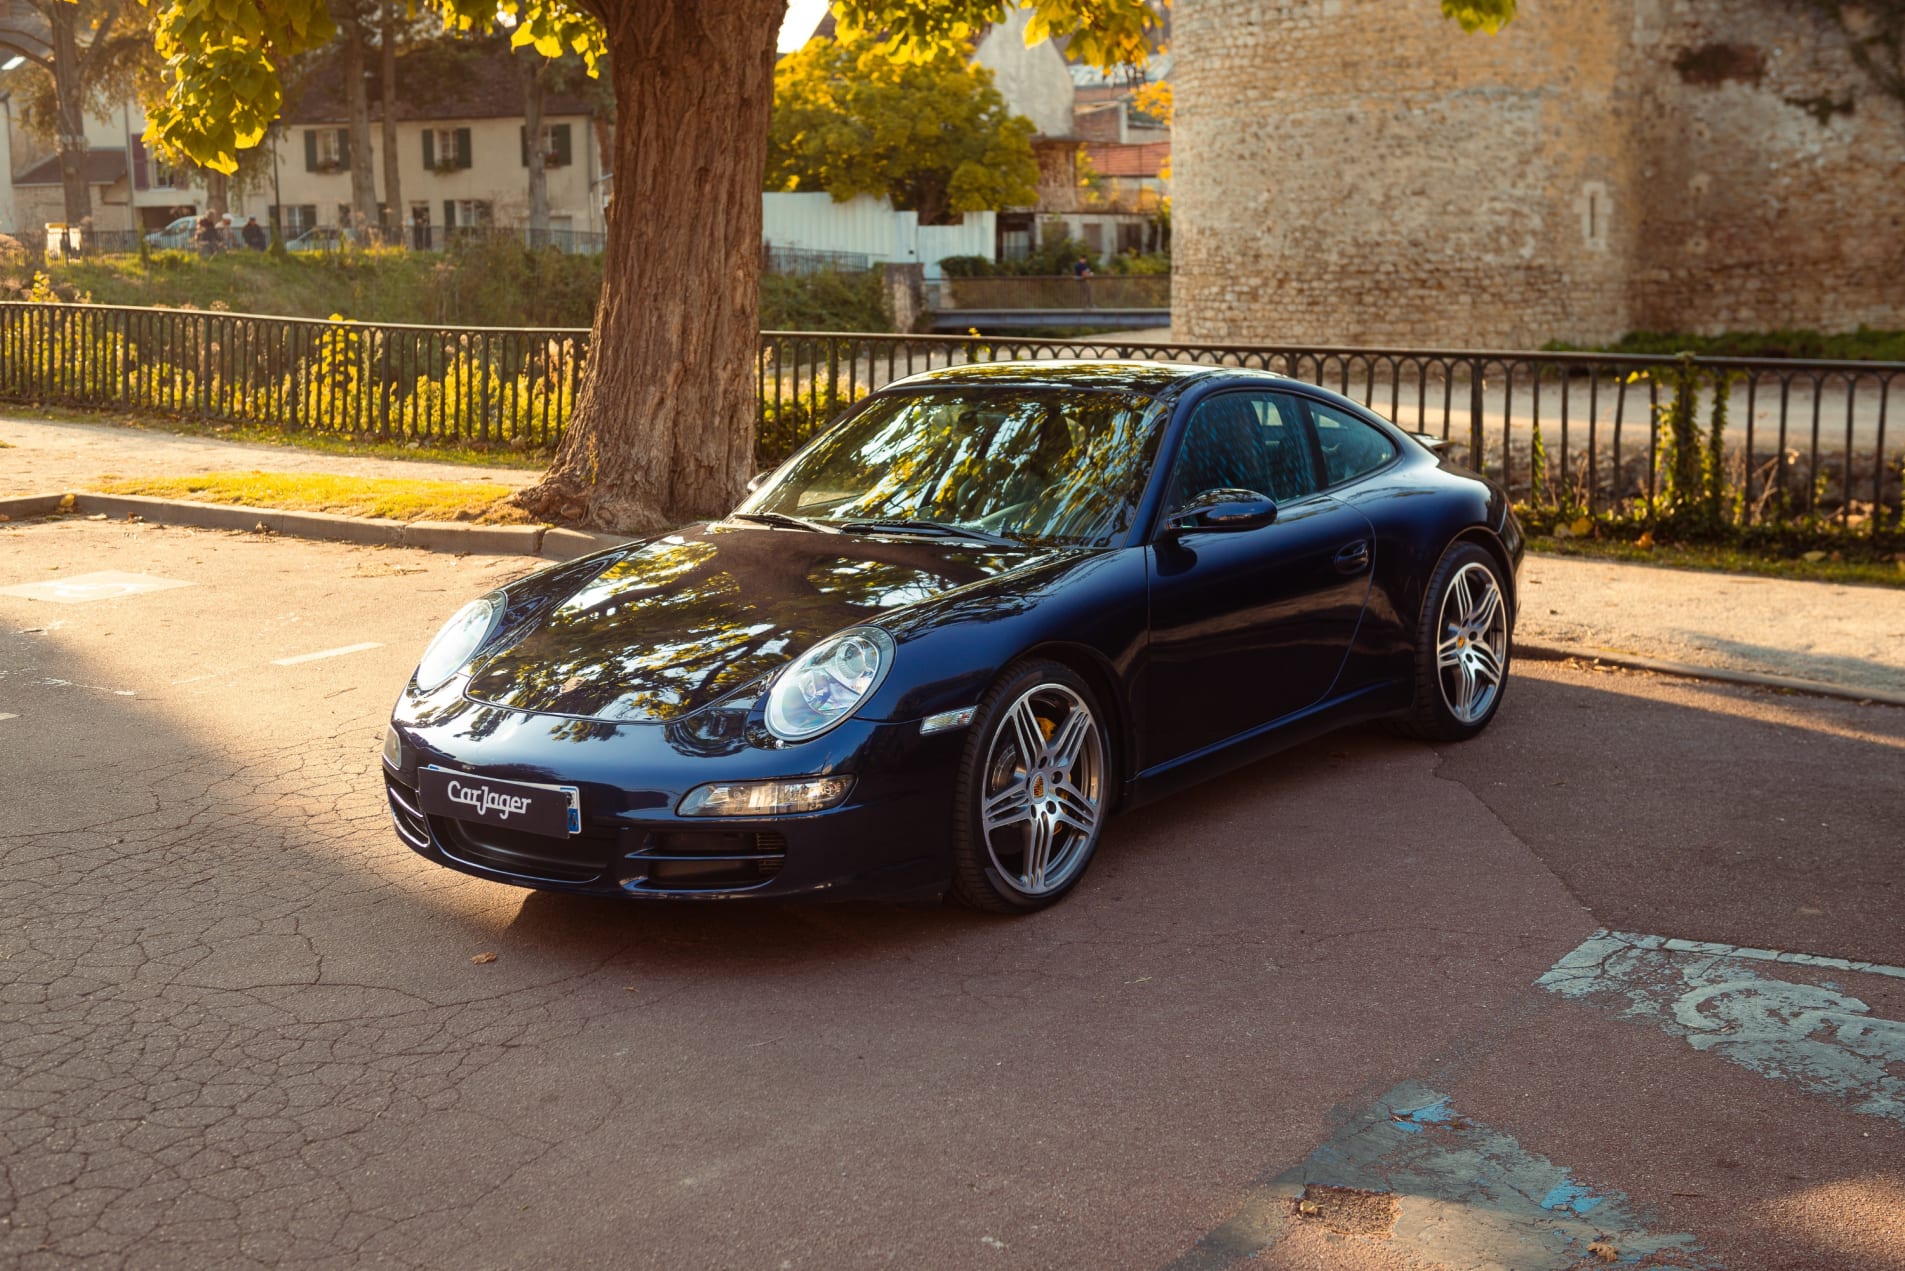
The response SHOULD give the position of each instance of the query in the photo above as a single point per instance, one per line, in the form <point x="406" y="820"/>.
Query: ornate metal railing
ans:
<point x="1794" y="440"/>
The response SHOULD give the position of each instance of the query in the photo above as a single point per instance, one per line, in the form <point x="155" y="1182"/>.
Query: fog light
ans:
<point x="765" y="798"/>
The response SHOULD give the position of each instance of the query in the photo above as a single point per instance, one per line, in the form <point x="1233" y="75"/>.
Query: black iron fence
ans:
<point x="804" y="261"/>
<point x="1762" y="441"/>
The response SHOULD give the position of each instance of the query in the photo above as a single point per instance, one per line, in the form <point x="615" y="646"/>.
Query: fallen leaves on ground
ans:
<point x="483" y="959"/>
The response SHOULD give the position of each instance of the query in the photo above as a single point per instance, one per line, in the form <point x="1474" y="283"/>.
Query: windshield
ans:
<point x="1036" y="464"/>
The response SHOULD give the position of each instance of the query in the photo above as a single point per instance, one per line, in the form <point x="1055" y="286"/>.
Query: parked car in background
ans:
<point x="322" y="238"/>
<point x="179" y="234"/>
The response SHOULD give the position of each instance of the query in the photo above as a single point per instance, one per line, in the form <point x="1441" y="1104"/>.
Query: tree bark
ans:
<point x="533" y="77"/>
<point x="63" y="19"/>
<point x="218" y="193"/>
<point x="357" y="99"/>
<point x="663" y="432"/>
<point x="387" y="62"/>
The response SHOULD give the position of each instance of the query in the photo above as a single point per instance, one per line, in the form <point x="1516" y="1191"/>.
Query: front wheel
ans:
<point x="1033" y="792"/>
<point x="1462" y="647"/>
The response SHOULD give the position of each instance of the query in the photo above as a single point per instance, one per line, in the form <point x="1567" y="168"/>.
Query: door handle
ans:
<point x="1354" y="558"/>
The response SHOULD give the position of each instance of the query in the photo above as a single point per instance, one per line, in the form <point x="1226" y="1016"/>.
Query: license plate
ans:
<point x="513" y="805"/>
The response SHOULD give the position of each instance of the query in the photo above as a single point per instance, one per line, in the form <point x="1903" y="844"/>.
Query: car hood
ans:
<point x="666" y="626"/>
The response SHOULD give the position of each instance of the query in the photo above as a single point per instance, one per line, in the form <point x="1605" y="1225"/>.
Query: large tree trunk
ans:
<point x="357" y="100"/>
<point x="533" y="76"/>
<point x="218" y="193"/>
<point x="387" y="61"/>
<point x="664" y="430"/>
<point x="71" y="143"/>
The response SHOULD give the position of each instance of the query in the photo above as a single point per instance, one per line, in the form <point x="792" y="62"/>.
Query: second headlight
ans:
<point x="827" y="683"/>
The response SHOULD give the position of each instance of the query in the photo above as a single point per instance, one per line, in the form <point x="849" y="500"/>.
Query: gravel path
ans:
<point x="50" y="457"/>
<point x="1838" y="634"/>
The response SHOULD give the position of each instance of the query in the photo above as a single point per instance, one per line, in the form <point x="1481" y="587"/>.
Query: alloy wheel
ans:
<point x="1472" y="646"/>
<point x="1043" y="796"/>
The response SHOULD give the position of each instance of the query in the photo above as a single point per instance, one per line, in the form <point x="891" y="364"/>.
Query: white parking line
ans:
<point x="326" y="653"/>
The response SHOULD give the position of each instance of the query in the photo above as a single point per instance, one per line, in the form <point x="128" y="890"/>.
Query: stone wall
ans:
<point x="1773" y="175"/>
<point x="1362" y="172"/>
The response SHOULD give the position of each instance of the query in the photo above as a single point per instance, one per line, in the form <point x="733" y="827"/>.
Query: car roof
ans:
<point x="1123" y="373"/>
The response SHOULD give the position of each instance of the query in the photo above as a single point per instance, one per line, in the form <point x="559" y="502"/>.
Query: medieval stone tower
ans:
<point x="1362" y="172"/>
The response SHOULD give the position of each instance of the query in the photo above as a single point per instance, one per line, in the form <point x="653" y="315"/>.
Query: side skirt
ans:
<point x="1372" y="702"/>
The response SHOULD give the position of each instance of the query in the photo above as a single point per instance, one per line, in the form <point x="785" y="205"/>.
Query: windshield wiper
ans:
<point x="928" y="527"/>
<point x="788" y="522"/>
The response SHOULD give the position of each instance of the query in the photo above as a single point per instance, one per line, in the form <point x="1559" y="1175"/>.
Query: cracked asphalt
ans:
<point x="240" y="1024"/>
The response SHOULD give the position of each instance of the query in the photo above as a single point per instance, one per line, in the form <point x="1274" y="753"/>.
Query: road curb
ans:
<point x="1693" y="671"/>
<point x="458" y="537"/>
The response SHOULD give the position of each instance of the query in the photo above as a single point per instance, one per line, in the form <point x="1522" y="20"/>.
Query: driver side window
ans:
<point x="1244" y="441"/>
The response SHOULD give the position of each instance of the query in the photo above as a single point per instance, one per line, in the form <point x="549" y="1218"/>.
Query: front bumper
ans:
<point x="888" y="839"/>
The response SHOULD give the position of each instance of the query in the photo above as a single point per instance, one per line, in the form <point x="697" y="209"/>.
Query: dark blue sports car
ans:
<point x="940" y="645"/>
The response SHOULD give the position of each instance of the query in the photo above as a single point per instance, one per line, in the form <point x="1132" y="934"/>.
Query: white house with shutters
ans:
<point x="131" y="188"/>
<point x="462" y="150"/>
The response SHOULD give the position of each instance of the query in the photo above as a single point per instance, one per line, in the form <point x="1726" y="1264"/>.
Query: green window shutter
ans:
<point x="462" y="147"/>
<point x="522" y="137"/>
<point x="449" y="213"/>
<point x="429" y="148"/>
<point x="310" y="150"/>
<point x="344" y="147"/>
<point x="564" y="157"/>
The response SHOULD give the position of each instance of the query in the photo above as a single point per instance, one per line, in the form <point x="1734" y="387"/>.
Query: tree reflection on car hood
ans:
<point x="675" y="623"/>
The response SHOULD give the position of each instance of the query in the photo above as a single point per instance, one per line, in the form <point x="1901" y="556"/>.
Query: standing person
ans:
<point x="1081" y="270"/>
<point x="253" y="234"/>
<point x="206" y="234"/>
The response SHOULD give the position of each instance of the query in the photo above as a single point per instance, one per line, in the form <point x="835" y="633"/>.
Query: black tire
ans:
<point x="1433" y="716"/>
<point x="986" y="874"/>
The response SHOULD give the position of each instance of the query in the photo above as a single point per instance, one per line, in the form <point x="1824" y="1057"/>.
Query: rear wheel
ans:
<point x="1033" y="792"/>
<point x="1462" y="647"/>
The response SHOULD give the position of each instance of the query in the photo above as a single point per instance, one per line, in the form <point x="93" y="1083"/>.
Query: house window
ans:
<point x="166" y="174"/>
<point x="557" y="147"/>
<point x="466" y="213"/>
<point x="446" y="149"/>
<point x="326" y="149"/>
<point x="292" y="219"/>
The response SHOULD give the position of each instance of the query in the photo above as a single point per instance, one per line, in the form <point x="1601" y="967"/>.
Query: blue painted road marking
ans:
<point x="1814" y="1035"/>
<point x="1467" y="1195"/>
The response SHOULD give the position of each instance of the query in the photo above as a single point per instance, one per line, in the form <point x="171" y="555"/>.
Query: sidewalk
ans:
<point x="1853" y="637"/>
<point x="48" y="457"/>
<point x="1827" y="632"/>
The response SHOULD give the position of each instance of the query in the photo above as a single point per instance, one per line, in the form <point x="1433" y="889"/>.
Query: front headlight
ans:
<point x="827" y="683"/>
<point x="461" y="636"/>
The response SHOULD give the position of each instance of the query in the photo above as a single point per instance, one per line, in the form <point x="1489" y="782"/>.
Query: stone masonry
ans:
<point x="1363" y="172"/>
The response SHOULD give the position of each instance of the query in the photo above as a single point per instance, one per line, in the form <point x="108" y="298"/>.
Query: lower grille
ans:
<point x="405" y="815"/>
<point x="705" y="860"/>
<point x="579" y="858"/>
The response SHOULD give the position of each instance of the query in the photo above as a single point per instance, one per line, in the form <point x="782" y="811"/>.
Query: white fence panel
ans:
<point x="870" y="227"/>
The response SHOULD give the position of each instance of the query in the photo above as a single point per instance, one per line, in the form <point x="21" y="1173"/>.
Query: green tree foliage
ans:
<point x="222" y="89"/>
<point x="932" y="133"/>
<point x="1480" y="15"/>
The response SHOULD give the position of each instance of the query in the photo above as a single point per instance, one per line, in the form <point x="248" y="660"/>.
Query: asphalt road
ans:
<point x="240" y="1024"/>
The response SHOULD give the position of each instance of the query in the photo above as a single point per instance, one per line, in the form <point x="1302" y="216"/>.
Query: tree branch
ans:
<point x="10" y="42"/>
<point x="89" y="55"/>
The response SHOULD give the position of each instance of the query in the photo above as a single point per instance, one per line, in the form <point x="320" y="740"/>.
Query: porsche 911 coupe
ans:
<point x="940" y="645"/>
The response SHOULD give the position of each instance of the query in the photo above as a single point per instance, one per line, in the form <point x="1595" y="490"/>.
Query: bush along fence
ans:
<point x="1694" y="443"/>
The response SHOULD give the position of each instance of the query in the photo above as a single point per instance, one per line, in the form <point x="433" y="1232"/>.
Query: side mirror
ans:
<point x="759" y="479"/>
<point x="1224" y="510"/>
